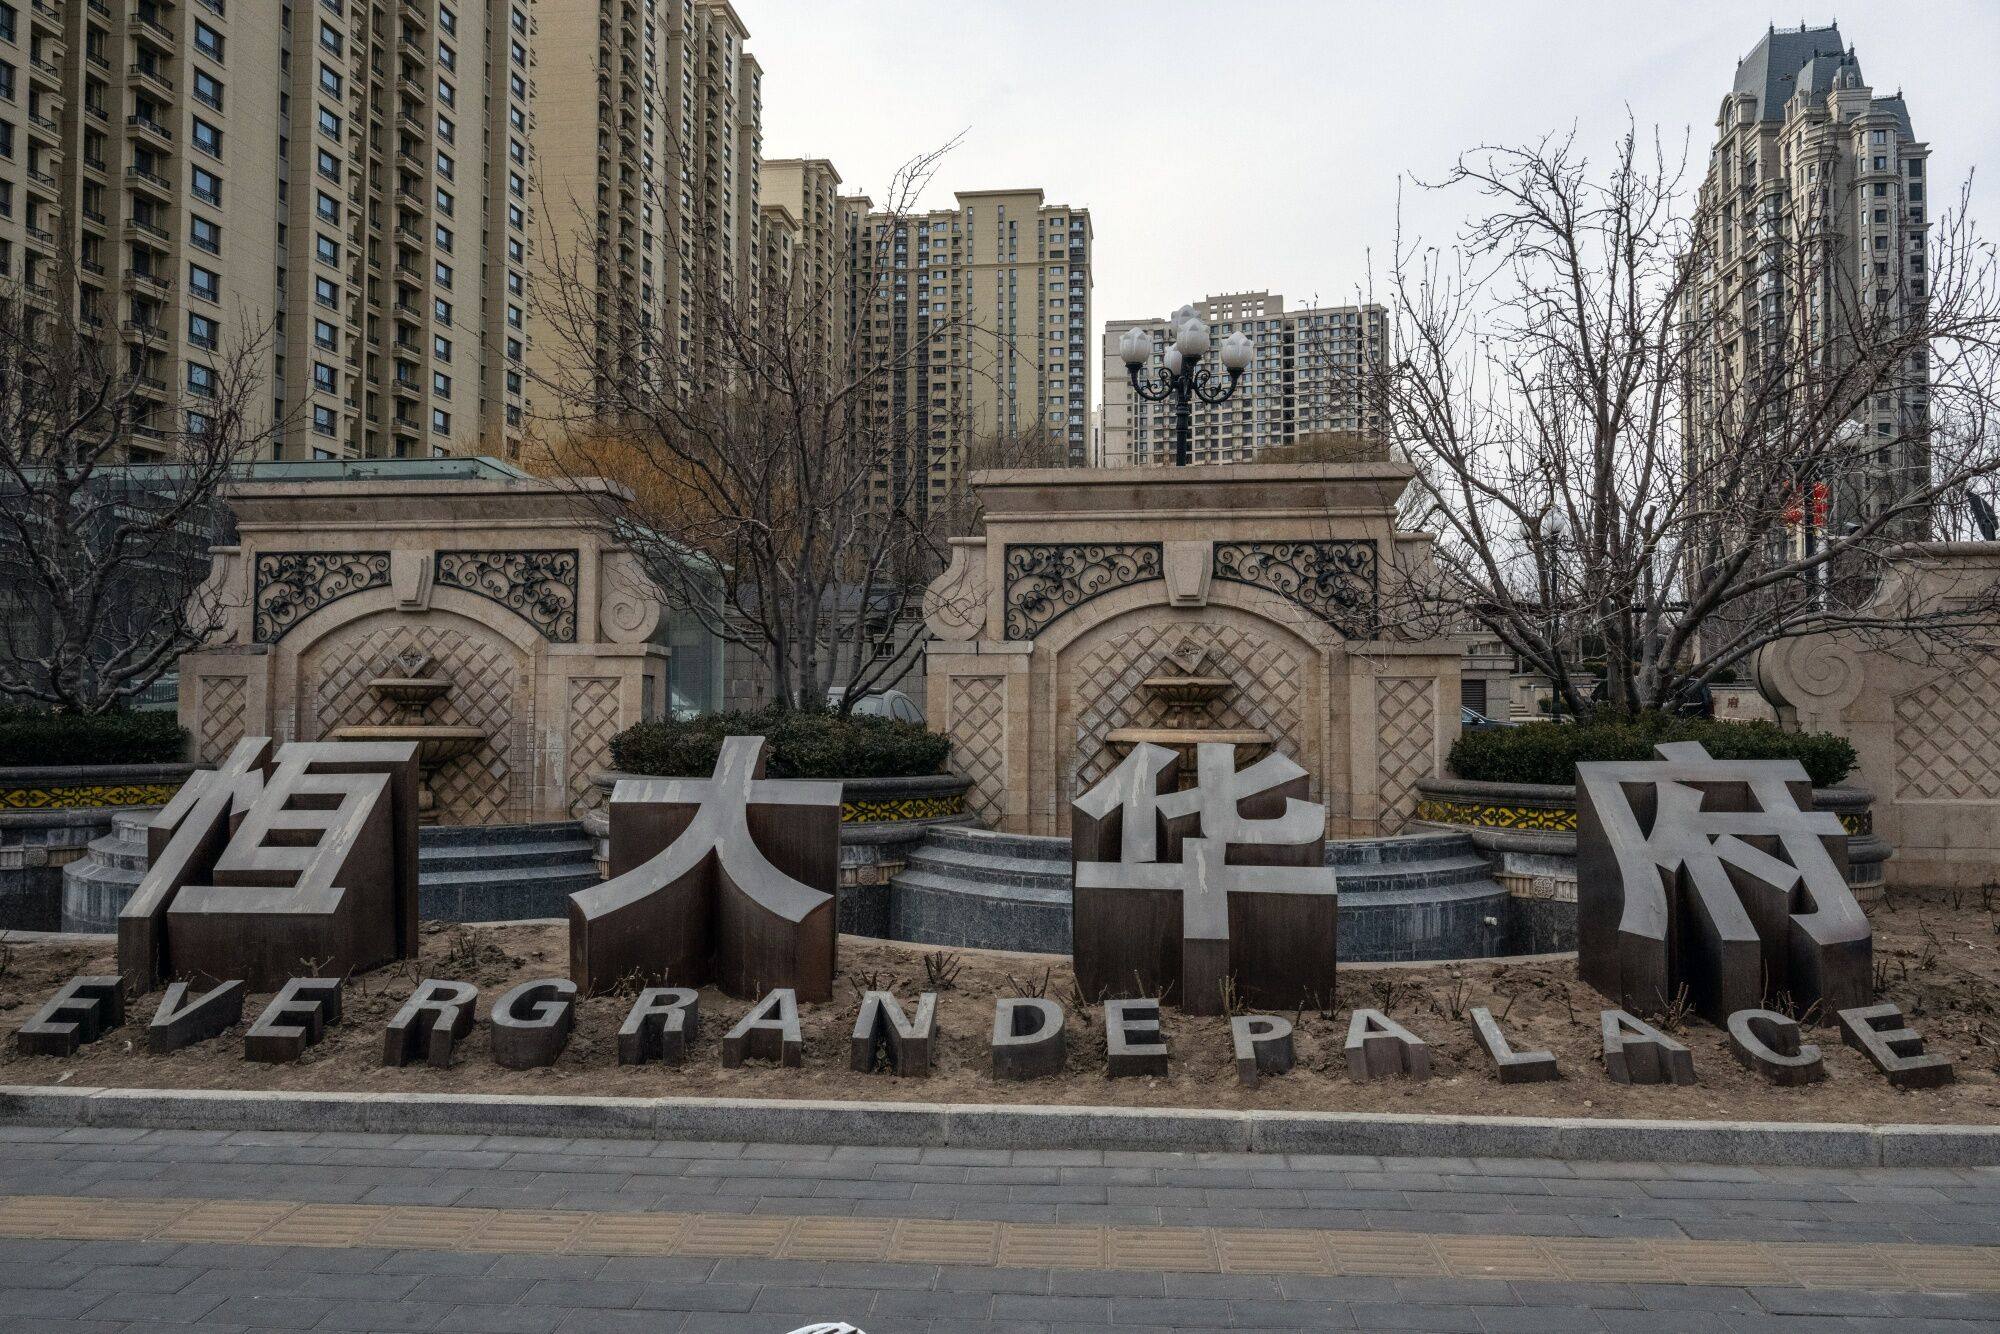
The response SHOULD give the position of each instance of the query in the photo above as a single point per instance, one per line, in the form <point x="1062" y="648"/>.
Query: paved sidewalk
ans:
<point x="147" y="1231"/>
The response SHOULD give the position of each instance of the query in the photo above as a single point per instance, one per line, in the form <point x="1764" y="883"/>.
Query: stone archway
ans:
<point x="492" y="688"/>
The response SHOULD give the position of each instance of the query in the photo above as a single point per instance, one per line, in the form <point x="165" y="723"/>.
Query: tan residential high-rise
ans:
<point x="983" y="312"/>
<point x="1814" y="205"/>
<point x="1309" y="376"/>
<point x="803" y="231"/>
<point x="347" y="181"/>
<point x="146" y="165"/>
<point x="647" y="138"/>
<point x="403" y="285"/>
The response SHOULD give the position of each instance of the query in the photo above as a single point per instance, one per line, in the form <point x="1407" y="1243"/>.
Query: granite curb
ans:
<point x="1015" y="1126"/>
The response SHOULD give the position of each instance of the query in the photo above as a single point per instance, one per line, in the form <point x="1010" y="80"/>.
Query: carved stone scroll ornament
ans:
<point x="1047" y="580"/>
<point x="1338" y="582"/>
<point x="729" y="879"/>
<point x="955" y="601"/>
<point x="538" y="586"/>
<point x="292" y="585"/>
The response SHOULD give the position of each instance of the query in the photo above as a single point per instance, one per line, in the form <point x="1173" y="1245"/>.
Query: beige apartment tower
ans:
<point x="1309" y="376"/>
<point x="343" y="182"/>
<point x="983" y="312"/>
<point x="647" y="131"/>
<point x="1815" y="214"/>
<point x="803" y="241"/>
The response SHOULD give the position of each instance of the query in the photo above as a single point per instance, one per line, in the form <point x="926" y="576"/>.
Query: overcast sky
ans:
<point x="1258" y="144"/>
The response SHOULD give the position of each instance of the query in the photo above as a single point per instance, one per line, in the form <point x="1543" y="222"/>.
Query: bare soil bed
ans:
<point x="1937" y="955"/>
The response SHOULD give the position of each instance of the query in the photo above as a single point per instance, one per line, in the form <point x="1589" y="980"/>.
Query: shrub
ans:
<point x="35" y="739"/>
<point x="803" y="744"/>
<point x="1550" y="752"/>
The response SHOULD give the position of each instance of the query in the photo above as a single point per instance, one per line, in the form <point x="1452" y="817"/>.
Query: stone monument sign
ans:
<point x="1241" y="604"/>
<point x="493" y="618"/>
<point x="1206" y="894"/>
<point x="730" y="879"/>
<point x="262" y="866"/>
<point x="1719" y="877"/>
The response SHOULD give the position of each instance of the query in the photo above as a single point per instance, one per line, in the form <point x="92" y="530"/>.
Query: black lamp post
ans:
<point x="1184" y="378"/>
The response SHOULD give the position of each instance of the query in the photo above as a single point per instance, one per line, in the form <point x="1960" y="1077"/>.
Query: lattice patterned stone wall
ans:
<point x="489" y="690"/>
<point x="593" y="721"/>
<point x="1944" y="736"/>
<point x="978" y="730"/>
<point x="1106" y="694"/>
<point x="1406" y="727"/>
<point x="222" y="704"/>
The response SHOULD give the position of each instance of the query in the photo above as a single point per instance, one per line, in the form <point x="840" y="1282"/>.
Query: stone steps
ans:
<point x="464" y="873"/>
<point x="1428" y="895"/>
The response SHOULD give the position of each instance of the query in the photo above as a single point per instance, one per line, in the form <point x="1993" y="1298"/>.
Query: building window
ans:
<point x="328" y="207"/>
<point x="203" y="331"/>
<point x="207" y="138"/>
<point x="205" y="283"/>
<point x="208" y="89"/>
<point x="323" y="420"/>
<point x="201" y="380"/>
<point x="327" y="293"/>
<point x="207" y="40"/>
<point x="330" y="80"/>
<point x="440" y="421"/>
<point x="328" y="250"/>
<point x="326" y="335"/>
<point x="325" y="378"/>
<point x="204" y="235"/>
<point x="329" y="165"/>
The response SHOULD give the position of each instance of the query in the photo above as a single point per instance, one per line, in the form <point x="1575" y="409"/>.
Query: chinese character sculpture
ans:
<point x="260" y="866"/>
<point x="1717" y="876"/>
<point x="729" y="879"/>
<point x="1217" y="890"/>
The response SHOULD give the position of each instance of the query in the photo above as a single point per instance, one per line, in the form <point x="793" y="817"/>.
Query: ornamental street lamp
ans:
<point x="1183" y="378"/>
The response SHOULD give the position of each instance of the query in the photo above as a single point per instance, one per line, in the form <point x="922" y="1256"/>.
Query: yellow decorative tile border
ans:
<point x="885" y="809"/>
<point x="86" y="796"/>
<point x="1419" y="1255"/>
<point x="1493" y="815"/>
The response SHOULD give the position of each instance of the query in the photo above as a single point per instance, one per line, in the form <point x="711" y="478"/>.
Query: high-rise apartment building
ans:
<point x="1814" y="209"/>
<point x="804" y="243"/>
<point x="1308" y="375"/>
<point x="647" y="119"/>
<point x="344" y="181"/>
<point x="982" y="312"/>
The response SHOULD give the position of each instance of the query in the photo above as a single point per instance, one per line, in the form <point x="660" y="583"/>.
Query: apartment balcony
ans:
<point x="45" y="72"/>
<point x="44" y="127"/>
<point x="148" y="182"/>
<point x="144" y="332"/>
<point x="411" y="85"/>
<point x="147" y="130"/>
<point x="413" y="16"/>
<point x="43" y="241"/>
<point x="93" y="268"/>
<point x="405" y="429"/>
<point x="150" y="27"/>
<point x="149" y="386"/>
<point x="407" y="390"/>
<point x="156" y="283"/>
<point x="149" y="76"/>
<point x="42" y="183"/>
<point x="137" y="229"/>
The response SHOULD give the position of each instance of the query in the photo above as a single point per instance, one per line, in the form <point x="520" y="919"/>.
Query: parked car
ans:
<point x="1472" y="720"/>
<point x="879" y="704"/>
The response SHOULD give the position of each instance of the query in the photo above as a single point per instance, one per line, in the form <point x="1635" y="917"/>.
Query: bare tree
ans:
<point x="783" y="491"/>
<point x="108" y="499"/>
<point x="1608" y="486"/>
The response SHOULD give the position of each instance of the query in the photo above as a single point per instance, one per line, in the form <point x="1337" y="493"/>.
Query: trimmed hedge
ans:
<point x="1550" y="752"/>
<point x="36" y="740"/>
<point x="814" y="744"/>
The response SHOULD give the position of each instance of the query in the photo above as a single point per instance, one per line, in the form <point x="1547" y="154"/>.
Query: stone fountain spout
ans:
<point x="1183" y="681"/>
<point x="411" y="687"/>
